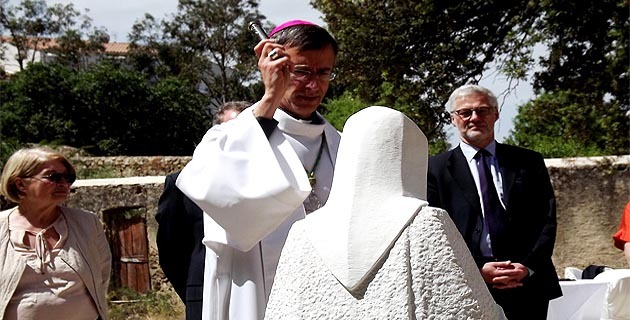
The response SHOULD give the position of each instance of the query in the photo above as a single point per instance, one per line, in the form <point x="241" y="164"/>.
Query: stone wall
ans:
<point x="128" y="166"/>
<point x="591" y="193"/>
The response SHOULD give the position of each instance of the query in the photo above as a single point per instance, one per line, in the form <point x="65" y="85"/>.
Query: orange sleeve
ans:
<point x="623" y="234"/>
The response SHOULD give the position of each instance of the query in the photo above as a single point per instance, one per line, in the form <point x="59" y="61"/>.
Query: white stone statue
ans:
<point x="376" y="250"/>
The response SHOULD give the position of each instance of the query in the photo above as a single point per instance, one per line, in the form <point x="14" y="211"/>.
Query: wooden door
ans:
<point x="129" y="244"/>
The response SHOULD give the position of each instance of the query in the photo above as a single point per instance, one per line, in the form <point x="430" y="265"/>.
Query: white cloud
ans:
<point x="118" y="16"/>
<point x="276" y="11"/>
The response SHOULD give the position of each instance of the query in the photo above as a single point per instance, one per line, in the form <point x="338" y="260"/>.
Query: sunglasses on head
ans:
<point x="58" y="177"/>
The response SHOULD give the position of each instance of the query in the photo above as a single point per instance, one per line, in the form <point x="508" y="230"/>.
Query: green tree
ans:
<point x="112" y="103"/>
<point x="126" y="115"/>
<point x="105" y="107"/>
<point x="205" y="42"/>
<point x="33" y="25"/>
<point x="583" y="104"/>
<point x="339" y="109"/>
<point x="567" y="124"/>
<point x="179" y="121"/>
<point x="588" y="46"/>
<point x="35" y="104"/>
<point x="412" y="54"/>
<point x="75" y="48"/>
<point x="105" y="110"/>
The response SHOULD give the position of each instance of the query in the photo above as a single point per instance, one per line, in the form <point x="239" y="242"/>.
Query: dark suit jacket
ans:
<point x="530" y="211"/>
<point x="181" y="253"/>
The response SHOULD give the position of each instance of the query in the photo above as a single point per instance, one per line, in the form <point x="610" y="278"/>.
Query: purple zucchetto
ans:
<point x="290" y="23"/>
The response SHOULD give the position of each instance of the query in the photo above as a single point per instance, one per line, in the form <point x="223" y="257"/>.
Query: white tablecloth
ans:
<point x="581" y="300"/>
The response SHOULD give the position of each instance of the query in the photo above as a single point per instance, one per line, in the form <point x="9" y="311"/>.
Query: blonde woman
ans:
<point x="55" y="261"/>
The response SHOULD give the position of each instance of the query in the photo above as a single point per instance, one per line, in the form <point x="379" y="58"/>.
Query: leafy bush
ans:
<point x="338" y="110"/>
<point x="570" y="124"/>
<point x="105" y="110"/>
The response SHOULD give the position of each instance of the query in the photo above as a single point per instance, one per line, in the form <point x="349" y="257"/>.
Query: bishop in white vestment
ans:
<point x="252" y="175"/>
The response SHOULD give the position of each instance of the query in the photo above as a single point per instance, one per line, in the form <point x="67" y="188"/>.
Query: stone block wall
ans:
<point x="128" y="166"/>
<point x="590" y="192"/>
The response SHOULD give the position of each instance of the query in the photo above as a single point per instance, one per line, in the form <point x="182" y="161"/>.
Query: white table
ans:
<point x="581" y="300"/>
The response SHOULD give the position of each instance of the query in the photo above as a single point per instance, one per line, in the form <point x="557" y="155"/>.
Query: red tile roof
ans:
<point x="112" y="48"/>
<point x="116" y="48"/>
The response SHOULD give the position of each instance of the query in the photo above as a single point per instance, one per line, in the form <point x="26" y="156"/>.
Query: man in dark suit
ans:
<point x="503" y="204"/>
<point x="180" y="231"/>
<point x="181" y="253"/>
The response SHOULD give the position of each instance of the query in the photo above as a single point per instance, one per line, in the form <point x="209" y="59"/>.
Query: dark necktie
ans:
<point x="493" y="210"/>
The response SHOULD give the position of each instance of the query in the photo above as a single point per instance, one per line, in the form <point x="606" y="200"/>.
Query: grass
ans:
<point x="125" y="304"/>
<point x="98" y="173"/>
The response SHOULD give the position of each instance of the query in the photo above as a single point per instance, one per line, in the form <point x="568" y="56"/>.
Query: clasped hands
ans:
<point x="504" y="274"/>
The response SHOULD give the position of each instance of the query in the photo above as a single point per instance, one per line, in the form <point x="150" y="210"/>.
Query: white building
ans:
<point x="41" y="51"/>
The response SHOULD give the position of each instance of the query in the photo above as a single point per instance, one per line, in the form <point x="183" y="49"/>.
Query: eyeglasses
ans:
<point x="302" y="73"/>
<point x="465" y="114"/>
<point x="58" y="177"/>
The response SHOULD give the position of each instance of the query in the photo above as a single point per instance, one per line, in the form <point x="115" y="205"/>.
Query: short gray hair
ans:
<point x="467" y="90"/>
<point x="237" y="106"/>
